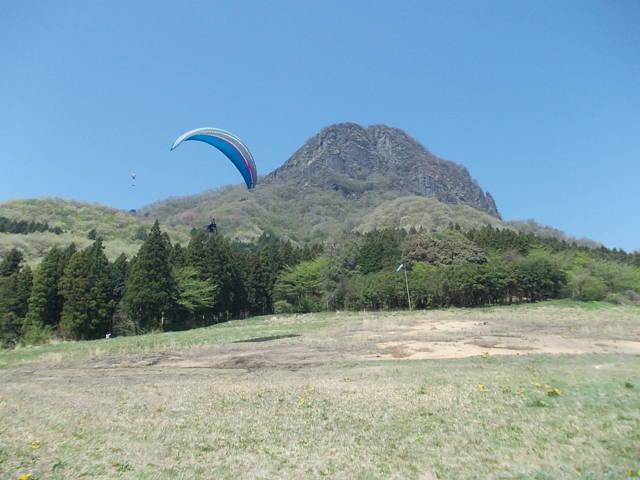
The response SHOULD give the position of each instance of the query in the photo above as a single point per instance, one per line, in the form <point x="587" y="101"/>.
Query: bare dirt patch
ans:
<point x="430" y="335"/>
<point x="426" y="337"/>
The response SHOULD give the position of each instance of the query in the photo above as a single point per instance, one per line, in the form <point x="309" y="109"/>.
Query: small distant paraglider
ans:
<point x="230" y="145"/>
<point x="133" y="179"/>
<point x="212" y="227"/>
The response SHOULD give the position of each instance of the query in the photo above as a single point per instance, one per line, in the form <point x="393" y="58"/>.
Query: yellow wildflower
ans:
<point x="554" y="392"/>
<point x="35" y="445"/>
<point x="26" y="476"/>
<point x="481" y="386"/>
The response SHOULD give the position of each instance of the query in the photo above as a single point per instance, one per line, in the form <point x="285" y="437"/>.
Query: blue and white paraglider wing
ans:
<point x="230" y="145"/>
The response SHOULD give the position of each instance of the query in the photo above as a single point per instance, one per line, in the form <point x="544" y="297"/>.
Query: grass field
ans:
<point x="546" y="391"/>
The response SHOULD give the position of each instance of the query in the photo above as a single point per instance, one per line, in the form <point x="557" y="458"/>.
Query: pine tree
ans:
<point x="11" y="263"/>
<point x="15" y="288"/>
<point x="24" y="284"/>
<point x="259" y="286"/>
<point x="178" y="257"/>
<point x="119" y="270"/>
<point x="218" y="264"/>
<point x="14" y="292"/>
<point x="10" y="329"/>
<point x="86" y="290"/>
<point x="44" y="304"/>
<point x="150" y="289"/>
<point x="221" y="269"/>
<point x="264" y="271"/>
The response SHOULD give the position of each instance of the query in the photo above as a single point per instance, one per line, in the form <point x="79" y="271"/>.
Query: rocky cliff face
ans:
<point x="352" y="159"/>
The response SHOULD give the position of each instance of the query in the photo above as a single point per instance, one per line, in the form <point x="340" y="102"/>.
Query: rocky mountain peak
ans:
<point x="352" y="159"/>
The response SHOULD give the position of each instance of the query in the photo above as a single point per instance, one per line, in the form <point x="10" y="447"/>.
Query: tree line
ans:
<point x="8" y="225"/>
<point x="80" y="295"/>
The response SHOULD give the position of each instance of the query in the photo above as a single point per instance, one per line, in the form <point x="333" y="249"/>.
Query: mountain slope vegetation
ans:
<point x="311" y="213"/>
<point x="345" y="178"/>
<point x="121" y="232"/>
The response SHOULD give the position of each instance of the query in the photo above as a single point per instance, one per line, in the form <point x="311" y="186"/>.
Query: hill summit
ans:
<point x="352" y="159"/>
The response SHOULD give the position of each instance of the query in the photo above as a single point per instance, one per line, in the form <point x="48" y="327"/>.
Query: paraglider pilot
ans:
<point x="212" y="227"/>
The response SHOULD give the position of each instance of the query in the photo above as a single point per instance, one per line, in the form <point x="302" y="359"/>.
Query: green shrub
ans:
<point x="36" y="335"/>
<point x="630" y="297"/>
<point x="282" y="306"/>
<point x="587" y="287"/>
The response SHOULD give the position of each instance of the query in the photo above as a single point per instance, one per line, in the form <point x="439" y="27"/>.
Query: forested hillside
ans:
<point x="310" y="213"/>
<point x="36" y="225"/>
<point x="78" y="293"/>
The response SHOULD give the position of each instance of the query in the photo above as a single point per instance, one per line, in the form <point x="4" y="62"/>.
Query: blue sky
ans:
<point x="540" y="100"/>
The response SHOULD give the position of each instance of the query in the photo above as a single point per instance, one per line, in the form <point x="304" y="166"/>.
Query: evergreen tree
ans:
<point x="15" y="289"/>
<point x="211" y="255"/>
<point x="343" y="266"/>
<point x="260" y="278"/>
<point x="119" y="270"/>
<point x="45" y="303"/>
<point x="86" y="289"/>
<point x="178" y="257"/>
<point x="11" y="263"/>
<point x="150" y="289"/>
<point x="10" y="329"/>
<point x="14" y="292"/>
<point x="538" y="279"/>
<point x="380" y="250"/>
<point x="23" y="227"/>
<point x="24" y="284"/>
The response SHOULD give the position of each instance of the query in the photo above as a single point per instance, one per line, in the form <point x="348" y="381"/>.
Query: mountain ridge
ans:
<point x="350" y="158"/>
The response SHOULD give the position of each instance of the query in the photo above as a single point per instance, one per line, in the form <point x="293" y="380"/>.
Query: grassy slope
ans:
<point x="368" y="419"/>
<point x="304" y="213"/>
<point x="425" y="212"/>
<point x="298" y="212"/>
<point x="76" y="219"/>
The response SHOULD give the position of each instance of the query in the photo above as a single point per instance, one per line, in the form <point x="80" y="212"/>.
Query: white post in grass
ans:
<point x="406" y="281"/>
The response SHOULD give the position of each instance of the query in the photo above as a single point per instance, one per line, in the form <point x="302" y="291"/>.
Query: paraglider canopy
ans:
<point x="233" y="148"/>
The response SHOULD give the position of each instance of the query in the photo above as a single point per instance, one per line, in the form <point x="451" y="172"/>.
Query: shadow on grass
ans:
<point x="266" y="339"/>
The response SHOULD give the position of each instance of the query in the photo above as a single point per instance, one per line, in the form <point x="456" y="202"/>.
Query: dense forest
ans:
<point x="79" y="294"/>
